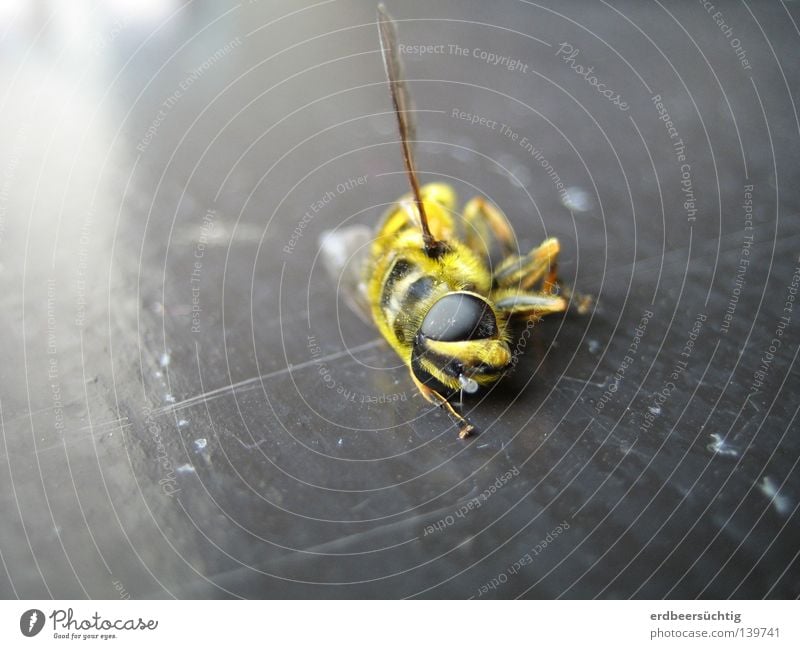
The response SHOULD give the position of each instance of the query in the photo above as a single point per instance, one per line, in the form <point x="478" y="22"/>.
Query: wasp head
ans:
<point x="459" y="344"/>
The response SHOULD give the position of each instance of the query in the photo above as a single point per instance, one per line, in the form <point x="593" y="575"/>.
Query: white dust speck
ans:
<point x="201" y="443"/>
<point x="183" y="422"/>
<point x="781" y="503"/>
<point x="169" y="398"/>
<point x="576" y="199"/>
<point x="720" y="446"/>
<point x="185" y="468"/>
<point x="164" y="360"/>
<point x="655" y="410"/>
<point x="340" y="442"/>
<point x="594" y="346"/>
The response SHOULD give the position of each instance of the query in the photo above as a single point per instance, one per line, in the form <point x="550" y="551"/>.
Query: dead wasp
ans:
<point x="430" y="289"/>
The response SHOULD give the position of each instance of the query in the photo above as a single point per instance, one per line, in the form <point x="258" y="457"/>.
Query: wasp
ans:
<point x="427" y="279"/>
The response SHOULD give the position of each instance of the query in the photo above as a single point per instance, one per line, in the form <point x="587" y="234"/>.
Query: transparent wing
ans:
<point x="403" y="111"/>
<point x="344" y="253"/>
<point x="395" y="73"/>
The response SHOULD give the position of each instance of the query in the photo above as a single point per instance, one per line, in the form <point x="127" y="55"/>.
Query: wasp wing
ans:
<point x="405" y="123"/>
<point x="344" y="253"/>
<point x="395" y="73"/>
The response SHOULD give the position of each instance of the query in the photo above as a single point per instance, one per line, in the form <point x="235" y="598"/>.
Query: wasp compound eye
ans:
<point x="458" y="317"/>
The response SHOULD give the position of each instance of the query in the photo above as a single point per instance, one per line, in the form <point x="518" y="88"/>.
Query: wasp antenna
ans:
<point x="399" y="92"/>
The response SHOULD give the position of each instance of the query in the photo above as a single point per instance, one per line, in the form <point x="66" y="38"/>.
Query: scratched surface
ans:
<point x="189" y="407"/>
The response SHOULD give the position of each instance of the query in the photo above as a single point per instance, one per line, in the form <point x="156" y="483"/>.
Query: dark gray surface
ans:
<point x="144" y="458"/>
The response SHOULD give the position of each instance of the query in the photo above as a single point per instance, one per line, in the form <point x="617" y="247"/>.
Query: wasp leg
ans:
<point x="485" y="224"/>
<point x="525" y="272"/>
<point x="581" y="302"/>
<point x="465" y="428"/>
<point x="513" y="303"/>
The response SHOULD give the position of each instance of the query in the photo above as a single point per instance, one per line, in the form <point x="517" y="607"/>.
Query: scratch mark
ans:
<point x="572" y="378"/>
<point x="250" y="447"/>
<point x="114" y="424"/>
<point x="254" y="381"/>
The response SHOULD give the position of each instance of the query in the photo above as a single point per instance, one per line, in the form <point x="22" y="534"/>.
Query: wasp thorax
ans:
<point x="459" y="316"/>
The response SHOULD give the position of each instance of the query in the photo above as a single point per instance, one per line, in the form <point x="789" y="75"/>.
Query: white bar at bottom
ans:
<point x="389" y="624"/>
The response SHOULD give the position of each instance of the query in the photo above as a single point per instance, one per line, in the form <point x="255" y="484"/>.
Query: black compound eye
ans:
<point x="459" y="316"/>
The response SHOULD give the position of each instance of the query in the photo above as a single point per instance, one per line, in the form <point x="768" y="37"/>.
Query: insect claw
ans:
<point x="466" y="431"/>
